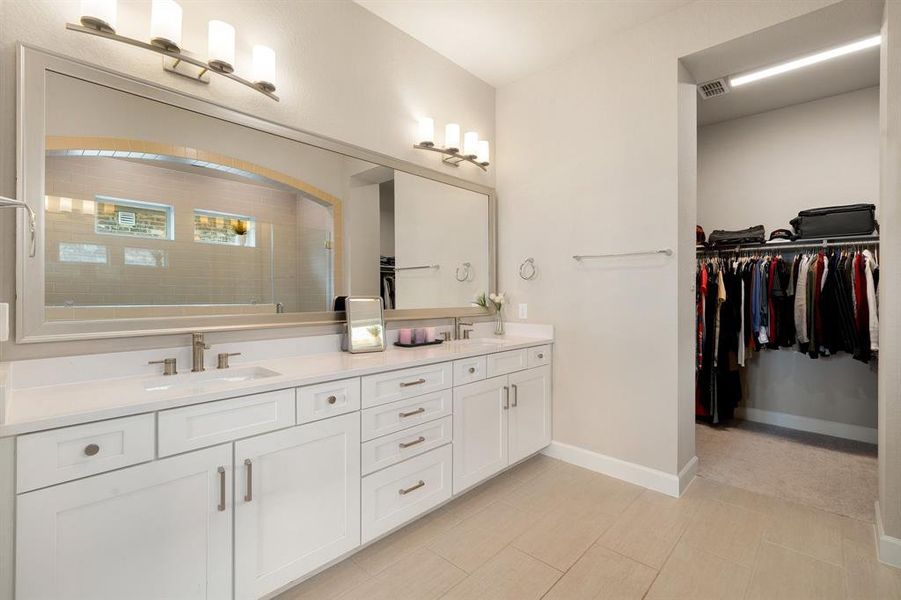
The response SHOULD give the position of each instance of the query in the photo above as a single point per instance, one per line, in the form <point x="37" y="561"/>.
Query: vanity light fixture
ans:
<point x="98" y="18"/>
<point x="475" y="151"/>
<point x="806" y="61"/>
<point x="165" y="24"/>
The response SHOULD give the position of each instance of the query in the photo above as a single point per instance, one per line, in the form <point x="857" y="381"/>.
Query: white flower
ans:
<point x="500" y="299"/>
<point x="492" y="297"/>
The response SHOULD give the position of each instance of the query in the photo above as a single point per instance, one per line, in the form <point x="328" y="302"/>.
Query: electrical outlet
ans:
<point x="523" y="311"/>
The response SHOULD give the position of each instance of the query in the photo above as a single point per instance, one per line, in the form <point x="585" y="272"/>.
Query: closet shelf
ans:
<point x="830" y="242"/>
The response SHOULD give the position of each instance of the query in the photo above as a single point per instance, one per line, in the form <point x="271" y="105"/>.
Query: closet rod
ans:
<point x="835" y="243"/>
<point x="666" y="251"/>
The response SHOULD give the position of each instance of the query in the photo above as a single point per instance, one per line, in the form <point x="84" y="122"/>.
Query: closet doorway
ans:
<point x="786" y="326"/>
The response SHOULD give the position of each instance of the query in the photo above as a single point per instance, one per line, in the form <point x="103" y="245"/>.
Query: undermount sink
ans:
<point x="213" y="378"/>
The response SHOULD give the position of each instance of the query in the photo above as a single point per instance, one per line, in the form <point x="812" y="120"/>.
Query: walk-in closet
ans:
<point x="787" y="311"/>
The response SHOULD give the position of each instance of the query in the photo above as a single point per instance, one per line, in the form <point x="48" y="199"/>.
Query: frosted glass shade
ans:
<point x="471" y="143"/>
<point x="264" y="67"/>
<point x="482" y="154"/>
<point x="99" y="14"/>
<point x="221" y="46"/>
<point x="165" y="24"/>
<point x="452" y="136"/>
<point x="426" y="136"/>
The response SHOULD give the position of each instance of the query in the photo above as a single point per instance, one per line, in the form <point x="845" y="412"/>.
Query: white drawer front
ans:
<point x="538" y="356"/>
<point x="391" y="449"/>
<point x="397" y="385"/>
<point x="59" y="455"/>
<point x="192" y="427"/>
<point x="388" y="418"/>
<point x="394" y="496"/>
<point x="325" y="400"/>
<point x="470" y="369"/>
<point x="502" y="363"/>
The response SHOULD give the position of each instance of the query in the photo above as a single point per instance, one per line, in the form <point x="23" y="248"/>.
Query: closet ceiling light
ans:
<point x="806" y="61"/>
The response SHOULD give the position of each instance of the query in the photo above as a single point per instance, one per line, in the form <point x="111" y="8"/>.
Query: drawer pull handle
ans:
<point x="515" y="395"/>
<point x="221" y="471"/>
<point x="91" y="449"/>
<point x="506" y="397"/>
<point x="472" y="369"/>
<point x="248" y="489"/>
<point x="419" y="381"/>
<point x="332" y="399"/>
<point x="418" y="411"/>
<point x="541" y="355"/>
<point x="412" y="488"/>
<point x="418" y="440"/>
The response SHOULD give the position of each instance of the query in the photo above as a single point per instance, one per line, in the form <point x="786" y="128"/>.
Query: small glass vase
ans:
<point x="498" y="323"/>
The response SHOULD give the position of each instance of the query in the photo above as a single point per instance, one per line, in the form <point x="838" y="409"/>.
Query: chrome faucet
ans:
<point x="198" y="346"/>
<point x="459" y="332"/>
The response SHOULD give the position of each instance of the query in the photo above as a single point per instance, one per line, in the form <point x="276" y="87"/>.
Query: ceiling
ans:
<point x="833" y="26"/>
<point x="501" y="41"/>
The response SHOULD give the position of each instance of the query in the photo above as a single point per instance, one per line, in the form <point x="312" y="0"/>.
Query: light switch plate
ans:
<point x="4" y="322"/>
<point x="523" y="311"/>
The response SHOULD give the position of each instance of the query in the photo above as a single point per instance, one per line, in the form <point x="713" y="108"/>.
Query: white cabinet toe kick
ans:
<point x="242" y="497"/>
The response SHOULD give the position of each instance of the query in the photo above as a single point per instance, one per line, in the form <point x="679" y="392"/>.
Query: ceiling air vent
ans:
<point x="714" y="88"/>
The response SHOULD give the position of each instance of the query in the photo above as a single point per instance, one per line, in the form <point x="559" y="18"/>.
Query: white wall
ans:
<point x="342" y="72"/>
<point x="765" y="168"/>
<point x="587" y="163"/>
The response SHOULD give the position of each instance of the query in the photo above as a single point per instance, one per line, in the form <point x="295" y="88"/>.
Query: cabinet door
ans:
<point x="297" y="502"/>
<point x="480" y="431"/>
<point x="158" y="530"/>
<point x="530" y="412"/>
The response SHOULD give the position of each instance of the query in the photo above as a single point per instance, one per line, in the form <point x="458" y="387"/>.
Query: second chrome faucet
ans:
<point x="198" y="346"/>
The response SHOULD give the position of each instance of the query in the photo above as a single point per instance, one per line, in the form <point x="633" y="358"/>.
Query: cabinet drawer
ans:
<point x="391" y="449"/>
<point x="388" y="418"/>
<point x="397" y="385"/>
<point x="538" y="356"/>
<point x="327" y="400"/>
<point x="61" y="455"/>
<point x="470" y="369"/>
<point x="394" y="496"/>
<point x="502" y="363"/>
<point x="192" y="427"/>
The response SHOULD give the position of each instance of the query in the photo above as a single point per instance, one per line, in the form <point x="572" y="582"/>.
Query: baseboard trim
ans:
<point x="835" y="429"/>
<point x="889" y="547"/>
<point x="659" y="481"/>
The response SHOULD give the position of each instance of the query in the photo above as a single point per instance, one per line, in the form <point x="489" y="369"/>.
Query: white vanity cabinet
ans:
<point x="240" y="497"/>
<point x="498" y="422"/>
<point x="158" y="530"/>
<point x="297" y="502"/>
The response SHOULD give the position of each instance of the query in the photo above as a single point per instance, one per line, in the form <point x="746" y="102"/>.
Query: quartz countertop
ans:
<point x="31" y="409"/>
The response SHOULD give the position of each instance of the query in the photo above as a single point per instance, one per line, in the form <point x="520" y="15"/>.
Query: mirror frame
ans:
<point x="31" y="326"/>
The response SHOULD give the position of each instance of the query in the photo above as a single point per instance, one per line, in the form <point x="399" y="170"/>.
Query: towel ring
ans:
<point x="527" y="269"/>
<point x="467" y="272"/>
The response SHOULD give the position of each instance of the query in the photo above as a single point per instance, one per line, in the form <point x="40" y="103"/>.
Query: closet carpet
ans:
<point x="549" y="530"/>
<point x="832" y="474"/>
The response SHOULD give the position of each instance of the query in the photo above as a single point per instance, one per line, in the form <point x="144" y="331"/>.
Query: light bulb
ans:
<point x="165" y="24"/>
<point x="264" y="68"/>
<point x="222" y="46"/>
<point x="99" y="14"/>
<point x="452" y="136"/>
<point x="482" y="154"/>
<point x="426" y="131"/>
<point x="471" y="143"/>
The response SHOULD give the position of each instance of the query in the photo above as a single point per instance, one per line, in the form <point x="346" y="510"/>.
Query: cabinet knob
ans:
<point x="91" y="449"/>
<point x="472" y="369"/>
<point x="541" y="356"/>
<point x="332" y="399"/>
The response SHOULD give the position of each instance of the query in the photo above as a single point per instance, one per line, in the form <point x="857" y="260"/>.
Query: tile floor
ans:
<point x="547" y="529"/>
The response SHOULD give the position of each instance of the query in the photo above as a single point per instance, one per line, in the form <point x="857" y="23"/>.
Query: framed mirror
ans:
<point x="161" y="213"/>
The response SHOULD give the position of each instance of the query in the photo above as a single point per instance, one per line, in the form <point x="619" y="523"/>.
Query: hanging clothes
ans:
<point x="820" y="303"/>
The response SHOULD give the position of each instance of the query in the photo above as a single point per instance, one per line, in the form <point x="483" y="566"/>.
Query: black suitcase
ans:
<point x="751" y="235"/>
<point x="831" y="221"/>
